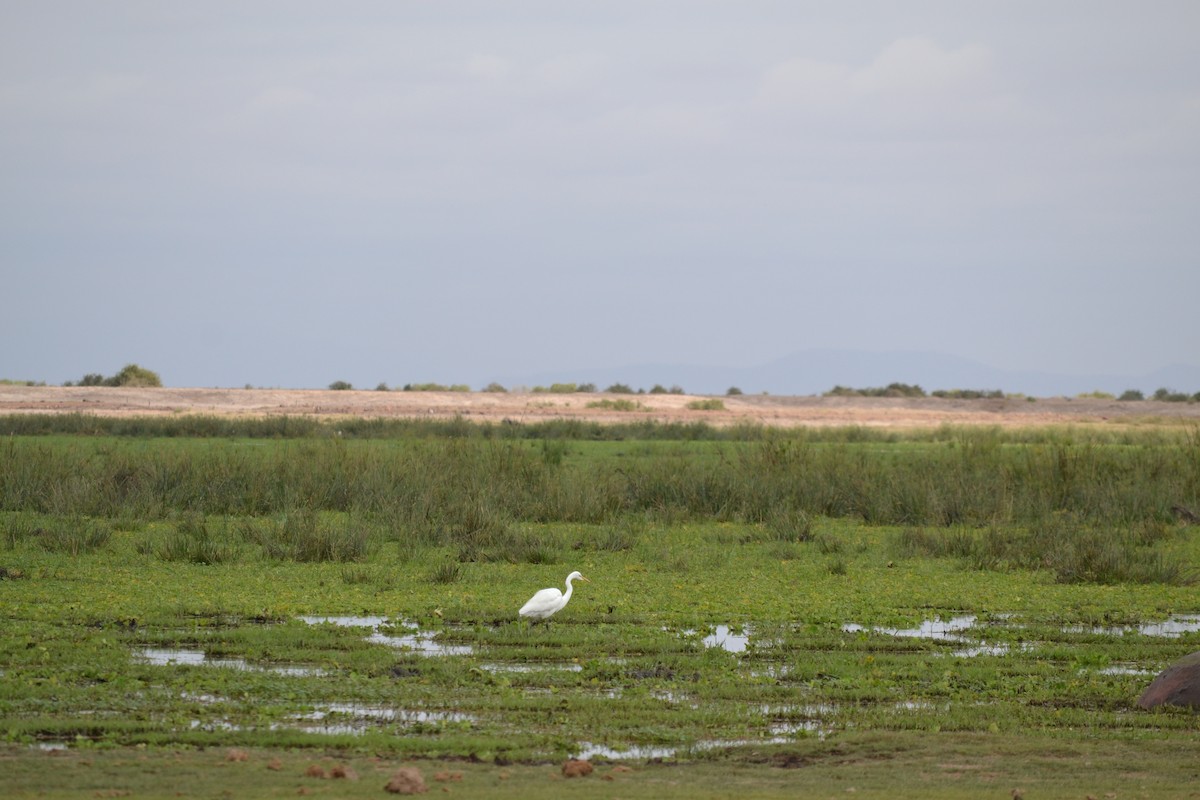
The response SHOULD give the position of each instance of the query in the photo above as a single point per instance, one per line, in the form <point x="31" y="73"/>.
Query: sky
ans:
<point x="290" y="193"/>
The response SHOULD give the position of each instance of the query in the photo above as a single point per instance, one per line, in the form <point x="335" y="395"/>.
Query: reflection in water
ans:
<point x="1172" y="627"/>
<point x="589" y="750"/>
<point x="355" y="719"/>
<point x="929" y="629"/>
<point x="417" y="641"/>
<point x="727" y="640"/>
<point x="162" y="657"/>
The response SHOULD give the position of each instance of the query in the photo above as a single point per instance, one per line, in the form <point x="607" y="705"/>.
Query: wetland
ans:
<point x="926" y="613"/>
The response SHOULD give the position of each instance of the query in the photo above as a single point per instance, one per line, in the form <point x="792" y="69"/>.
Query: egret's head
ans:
<point x="577" y="576"/>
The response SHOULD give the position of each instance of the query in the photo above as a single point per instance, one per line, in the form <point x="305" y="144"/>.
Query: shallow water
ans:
<point x="355" y="719"/>
<point x="162" y="657"/>
<point x="1172" y="627"/>
<point x="536" y="666"/>
<point x="727" y="640"/>
<point x="589" y="750"/>
<point x="417" y="641"/>
<point x="929" y="629"/>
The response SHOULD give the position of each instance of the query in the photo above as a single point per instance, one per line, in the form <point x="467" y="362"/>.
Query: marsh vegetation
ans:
<point x="757" y="597"/>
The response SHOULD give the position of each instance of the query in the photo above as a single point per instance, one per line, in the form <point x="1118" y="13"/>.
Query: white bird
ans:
<point x="548" y="601"/>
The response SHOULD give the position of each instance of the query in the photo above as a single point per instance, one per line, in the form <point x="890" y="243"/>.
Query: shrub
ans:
<point x="436" y="387"/>
<point x="130" y="375"/>
<point x="494" y="387"/>
<point x="710" y="404"/>
<point x="615" y="405"/>
<point x="340" y="386"/>
<point x="619" y="388"/>
<point x="133" y="375"/>
<point x="1169" y="396"/>
<point x="732" y="391"/>
<point x="1132" y="394"/>
<point x="383" y="387"/>
<point x="891" y="390"/>
<point x="969" y="394"/>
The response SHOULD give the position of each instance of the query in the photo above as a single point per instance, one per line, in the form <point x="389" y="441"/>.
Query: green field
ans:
<point x="216" y="606"/>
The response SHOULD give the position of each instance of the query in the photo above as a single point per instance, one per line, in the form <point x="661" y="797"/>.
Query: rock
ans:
<point x="574" y="768"/>
<point x="1178" y="685"/>
<point x="407" y="780"/>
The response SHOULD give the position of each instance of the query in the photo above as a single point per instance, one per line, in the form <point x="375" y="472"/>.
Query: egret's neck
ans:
<point x="570" y="588"/>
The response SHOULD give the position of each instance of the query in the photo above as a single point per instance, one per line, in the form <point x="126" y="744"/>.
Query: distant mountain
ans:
<point x="814" y="372"/>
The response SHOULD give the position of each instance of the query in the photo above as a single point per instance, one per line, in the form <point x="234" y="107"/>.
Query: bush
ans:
<point x="436" y="387"/>
<point x="732" y="391"/>
<point x="1170" y="396"/>
<point x="340" y="386"/>
<point x="133" y="375"/>
<point x="1132" y="394"/>
<point x="891" y="390"/>
<point x="969" y="394"/>
<point x="494" y="387"/>
<point x="130" y="375"/>
<point x="615" y="405"/>
<point x="619" y="388"/>
<point x="710" y="404"/>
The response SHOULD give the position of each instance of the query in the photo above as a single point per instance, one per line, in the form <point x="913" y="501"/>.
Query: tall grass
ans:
<point x="462" y="488"/>
<point x="1072" y="550"/>
<point x="302" y="535"/>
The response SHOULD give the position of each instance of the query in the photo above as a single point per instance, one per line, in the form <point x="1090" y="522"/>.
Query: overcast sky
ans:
<point x="291" y="193"/>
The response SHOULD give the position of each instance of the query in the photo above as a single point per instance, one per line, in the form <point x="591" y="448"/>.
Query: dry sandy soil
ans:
<point x="782" y="411"/>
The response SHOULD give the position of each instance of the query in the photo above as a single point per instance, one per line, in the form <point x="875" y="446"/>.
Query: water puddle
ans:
<point x="726" y="639"/>
<point x="950" y="630"/>
<point x="354" y="719"/>
<point x="163" y="657"/>
<point x="929" y="629"/>
<point x="1172" y="627"/>
<point x="588" y="750"/>
<point x="223" y="725"/>
<point x="1123" y="669"/>
<point x="416" y="641"/>
<point x="538" y="666"/>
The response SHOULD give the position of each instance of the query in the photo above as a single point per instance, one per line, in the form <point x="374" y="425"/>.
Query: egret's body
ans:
<point x="549" y="601"/>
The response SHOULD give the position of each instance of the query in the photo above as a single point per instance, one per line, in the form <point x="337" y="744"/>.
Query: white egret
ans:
<point x="546" y="602"/>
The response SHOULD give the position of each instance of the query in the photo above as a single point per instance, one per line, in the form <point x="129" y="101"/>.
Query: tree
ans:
<point x="133" y="375"/>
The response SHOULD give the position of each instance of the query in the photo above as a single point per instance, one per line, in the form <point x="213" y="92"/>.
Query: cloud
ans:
<point x="487" y="67"/>
<point x="910" y="81"/>
<point x="917" y="66"/>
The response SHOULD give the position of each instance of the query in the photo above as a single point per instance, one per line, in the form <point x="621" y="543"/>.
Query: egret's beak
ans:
<point x="585" y="580"/>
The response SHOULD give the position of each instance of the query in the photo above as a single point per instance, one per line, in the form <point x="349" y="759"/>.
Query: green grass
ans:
<point x="816" y="551"/>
